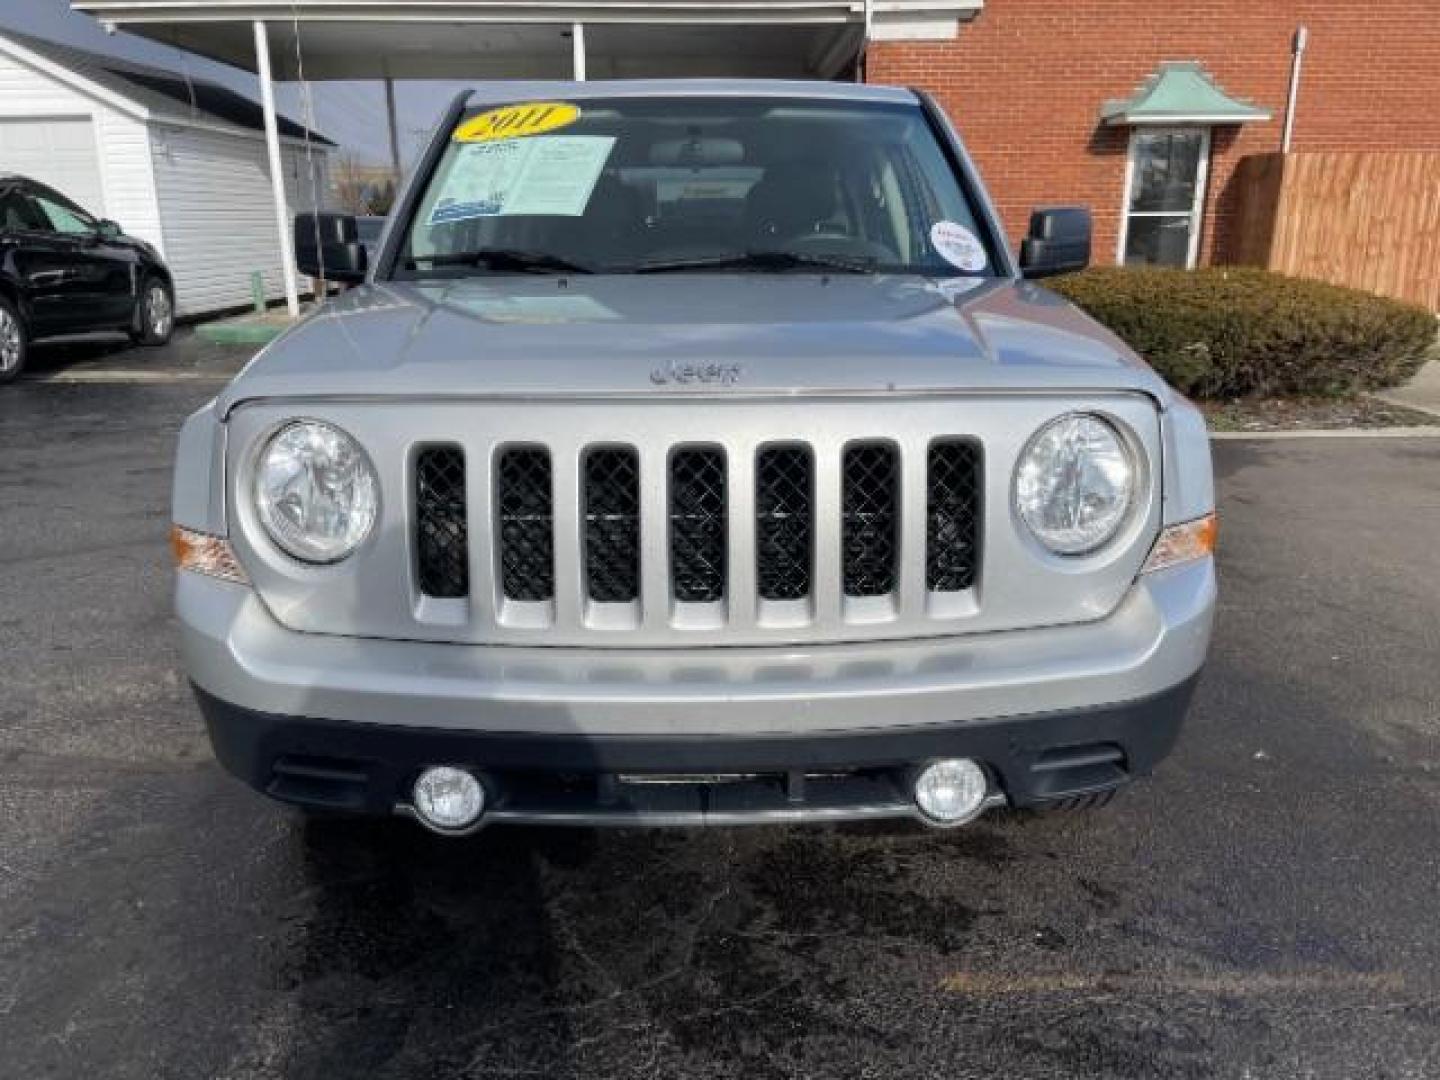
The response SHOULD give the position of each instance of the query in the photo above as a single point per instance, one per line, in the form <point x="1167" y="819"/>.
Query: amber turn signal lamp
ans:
<point x="1186" y="542"/>
<point x="206" y="554"/>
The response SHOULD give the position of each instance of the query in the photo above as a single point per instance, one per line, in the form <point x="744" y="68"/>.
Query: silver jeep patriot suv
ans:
<point x="693" y="453"/>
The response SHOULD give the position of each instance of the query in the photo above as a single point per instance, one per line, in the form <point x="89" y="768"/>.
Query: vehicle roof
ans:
<point x="500" y="92"/>
<point x="17" y="178"/>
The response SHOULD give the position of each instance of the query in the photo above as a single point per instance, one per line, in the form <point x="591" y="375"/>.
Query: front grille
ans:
<point x="592" y="546"/>
<point x="784" y="522"/>
<point x="952" y="515"/>
<point x="870" y="507"/>
<point x="612" y="524"/>
<point x="526" y="503"/>
<point x="442" y="556"/>
<point x="697" y="524"/>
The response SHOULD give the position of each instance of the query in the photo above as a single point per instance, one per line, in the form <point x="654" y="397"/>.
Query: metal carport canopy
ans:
<point x="532" y="39"/>
<point x="469" y="39"/>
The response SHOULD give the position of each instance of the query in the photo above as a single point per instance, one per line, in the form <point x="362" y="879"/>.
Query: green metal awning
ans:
<point x="1181" y="92"/>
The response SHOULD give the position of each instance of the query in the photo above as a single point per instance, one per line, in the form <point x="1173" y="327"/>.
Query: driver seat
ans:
<point x="794" y="198"/>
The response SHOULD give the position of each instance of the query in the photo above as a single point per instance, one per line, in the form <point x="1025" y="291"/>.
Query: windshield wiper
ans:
<point x="527" y="262"/>
<point x="761" y="260"/>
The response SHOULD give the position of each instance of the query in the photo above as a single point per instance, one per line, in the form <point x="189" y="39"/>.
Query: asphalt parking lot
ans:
<point x="1268" y="905"/>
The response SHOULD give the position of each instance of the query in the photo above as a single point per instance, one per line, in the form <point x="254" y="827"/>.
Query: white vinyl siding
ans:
<point x="219" y="218"/>
<point x="128" y="177"/>
<point x="121" y="186"/>
<point x="59" y="152"/>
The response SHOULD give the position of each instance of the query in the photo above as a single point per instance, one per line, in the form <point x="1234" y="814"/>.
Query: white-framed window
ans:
<point x="1164" y="203"/>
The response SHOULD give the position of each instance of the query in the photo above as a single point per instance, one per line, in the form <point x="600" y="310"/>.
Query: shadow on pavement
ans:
<point x="564" y="953"/>
<point x="114" y="353"/>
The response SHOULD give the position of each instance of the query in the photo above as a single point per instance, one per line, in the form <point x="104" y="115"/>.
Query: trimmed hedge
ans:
<point x="1229" y="331"/>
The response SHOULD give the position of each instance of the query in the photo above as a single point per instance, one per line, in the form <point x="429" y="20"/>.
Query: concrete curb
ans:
<point x="1330" y="433"/>
<point x="134" y="377"/>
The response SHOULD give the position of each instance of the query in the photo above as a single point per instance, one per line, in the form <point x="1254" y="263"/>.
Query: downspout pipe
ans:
<point x="1297" y="59"/>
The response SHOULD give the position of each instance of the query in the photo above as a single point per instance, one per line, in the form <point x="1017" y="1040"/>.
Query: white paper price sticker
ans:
<point x="958" y="246"/>
<point x="552" y="175"/>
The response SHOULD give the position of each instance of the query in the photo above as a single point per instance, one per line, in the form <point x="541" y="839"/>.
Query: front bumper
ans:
<point x="827" y="732"/>
<point x="695" y="780"/>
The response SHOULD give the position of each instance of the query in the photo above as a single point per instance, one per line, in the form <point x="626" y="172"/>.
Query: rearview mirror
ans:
<point x="1058" y="241"/>
<point x="107" y="229"/>
<point x="328" y="246"/>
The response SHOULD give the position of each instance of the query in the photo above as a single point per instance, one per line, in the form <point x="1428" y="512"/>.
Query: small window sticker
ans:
<point x="517" y="121"/>
<point x="958" y="246"/>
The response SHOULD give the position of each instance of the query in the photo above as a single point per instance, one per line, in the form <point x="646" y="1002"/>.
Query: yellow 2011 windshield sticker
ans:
<point x="517" y="121"/>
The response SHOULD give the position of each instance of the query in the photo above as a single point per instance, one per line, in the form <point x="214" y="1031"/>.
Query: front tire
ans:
<point x="154" y="314"/>
<point x="14" y="342"/>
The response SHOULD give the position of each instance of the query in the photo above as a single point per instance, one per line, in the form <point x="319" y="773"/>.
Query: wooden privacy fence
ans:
<point x="1367" y="220"/>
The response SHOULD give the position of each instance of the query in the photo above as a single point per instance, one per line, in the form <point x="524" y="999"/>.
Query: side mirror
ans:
<point x="328" y="246"/>
<point x="1058" y="241"/>
<point x="106" y="229"/>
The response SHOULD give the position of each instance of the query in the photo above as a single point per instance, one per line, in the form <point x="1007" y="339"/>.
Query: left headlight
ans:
<point x="1074" y="484"/>
<point x="315" y="491"/>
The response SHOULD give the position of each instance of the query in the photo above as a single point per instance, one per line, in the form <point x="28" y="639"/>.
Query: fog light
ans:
<point x="951" y="792"/>
<point x="448" y="799"/>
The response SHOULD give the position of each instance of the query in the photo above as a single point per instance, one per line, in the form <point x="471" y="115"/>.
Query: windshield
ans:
<point x="652" y="185"/>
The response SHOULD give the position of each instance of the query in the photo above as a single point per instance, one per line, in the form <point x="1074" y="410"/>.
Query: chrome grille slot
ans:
<point x="526" y="512"/>
<point x="952" y="515"/>
<point x="697" y="524"/>
<point x="784" y="521"/>
<point x="612" y="524"/>
<point x="441" y="527"/>
<point x="870" y="509"/>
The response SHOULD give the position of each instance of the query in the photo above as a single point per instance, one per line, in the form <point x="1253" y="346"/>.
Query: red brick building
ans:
<point x="1026" y="81"/>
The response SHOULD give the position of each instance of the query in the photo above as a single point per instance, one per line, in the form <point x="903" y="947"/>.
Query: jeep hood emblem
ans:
<point x="686" y="374"/>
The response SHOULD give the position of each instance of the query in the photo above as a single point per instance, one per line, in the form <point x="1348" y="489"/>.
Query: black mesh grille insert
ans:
<point x="870" y="505"/>
<point x="527" y="519"/>
<point x="440" y="525"/>
<point x="697" y="524"/>
<point x="784" y="521"/>
<point x="612" y="524"/>
<point x="952" y="516"/>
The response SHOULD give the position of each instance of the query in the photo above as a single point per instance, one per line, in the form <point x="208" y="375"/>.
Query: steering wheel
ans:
<point x="832" y="237"/>
<point x="837" y="243"/>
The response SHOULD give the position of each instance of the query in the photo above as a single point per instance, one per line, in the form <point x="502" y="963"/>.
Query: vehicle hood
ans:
<point x="691" y="334"/>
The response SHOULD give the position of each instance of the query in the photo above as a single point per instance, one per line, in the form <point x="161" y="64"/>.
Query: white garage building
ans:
<point x="178" y="162"/>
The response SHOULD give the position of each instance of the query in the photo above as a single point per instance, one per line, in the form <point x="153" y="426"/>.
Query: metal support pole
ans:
<point x="862" y="74"/>
<point x="577" y="45"/>
<point x="277" y="174"/>
<point x="1297" y="58"/>
<point x="394" y="128"/>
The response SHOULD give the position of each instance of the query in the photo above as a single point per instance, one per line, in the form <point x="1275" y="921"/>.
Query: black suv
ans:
<point x="64" y="272"/>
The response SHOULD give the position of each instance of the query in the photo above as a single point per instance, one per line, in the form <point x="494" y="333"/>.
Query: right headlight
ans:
<point x="1074" y="484"/>
<point x="315" y="491"/>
